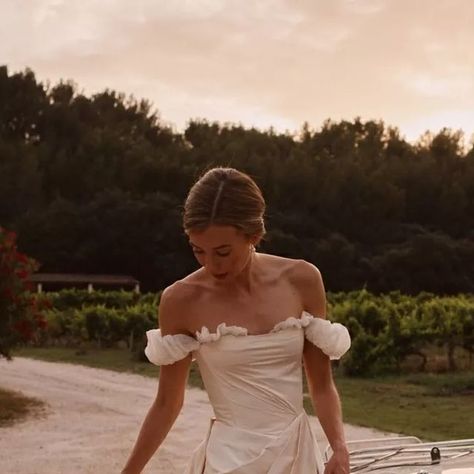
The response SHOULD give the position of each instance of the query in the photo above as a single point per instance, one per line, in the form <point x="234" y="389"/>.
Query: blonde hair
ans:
<point x="225" y="196"/>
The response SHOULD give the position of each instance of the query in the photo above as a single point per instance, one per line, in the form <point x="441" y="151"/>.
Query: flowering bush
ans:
<point x="20" y="311"/>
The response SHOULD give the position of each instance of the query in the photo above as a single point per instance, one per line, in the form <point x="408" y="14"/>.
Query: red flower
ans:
<point x="19" y="304"/>
<point x="20" y="257"/>
<point x="43" y="324"/>
<point x="23" y="327"/>
<point x="22" y="274"/>
<point x="40" y="321"/>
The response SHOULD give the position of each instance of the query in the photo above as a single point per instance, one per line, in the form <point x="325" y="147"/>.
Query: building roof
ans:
<point x="83" y="278"/>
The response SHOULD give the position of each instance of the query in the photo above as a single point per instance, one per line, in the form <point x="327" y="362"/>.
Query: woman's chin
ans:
<point x="220" y="276"/>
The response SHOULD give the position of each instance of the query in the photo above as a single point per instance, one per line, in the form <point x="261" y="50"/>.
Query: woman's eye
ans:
<point x="199" y="252"/>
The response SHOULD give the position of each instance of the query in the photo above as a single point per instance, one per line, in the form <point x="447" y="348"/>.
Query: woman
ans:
<point x="249" y="319"/>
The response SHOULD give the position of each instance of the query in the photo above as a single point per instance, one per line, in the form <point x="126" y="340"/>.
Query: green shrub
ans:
<point x="385" y="329"/>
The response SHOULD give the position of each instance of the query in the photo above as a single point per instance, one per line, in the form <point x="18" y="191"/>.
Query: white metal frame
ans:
<point x="370" y="455"/>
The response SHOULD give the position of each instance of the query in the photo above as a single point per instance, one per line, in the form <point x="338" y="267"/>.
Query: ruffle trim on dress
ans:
<point x="332" y="338"/>
<point x="293" y="322"/>
<point x="205" y="335"/>
<point x="164" y="350"/>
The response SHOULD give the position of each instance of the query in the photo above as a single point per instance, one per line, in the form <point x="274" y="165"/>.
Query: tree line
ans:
<point x="96" y="184"/>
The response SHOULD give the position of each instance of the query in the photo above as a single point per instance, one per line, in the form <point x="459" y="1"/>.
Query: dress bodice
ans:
<point x="255" y="386"/>
<point x="254" y="374"/>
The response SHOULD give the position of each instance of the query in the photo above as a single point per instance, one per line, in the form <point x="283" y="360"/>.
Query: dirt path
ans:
<point x="93" y="417"/>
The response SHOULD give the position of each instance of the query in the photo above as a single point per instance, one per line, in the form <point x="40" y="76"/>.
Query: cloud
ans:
<point x="278" y="61"/>
<point x="454" y="119"/>
<point x="436" y="86"/>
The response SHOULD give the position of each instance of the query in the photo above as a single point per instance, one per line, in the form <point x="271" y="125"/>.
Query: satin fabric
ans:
<point x="255" y="385"/>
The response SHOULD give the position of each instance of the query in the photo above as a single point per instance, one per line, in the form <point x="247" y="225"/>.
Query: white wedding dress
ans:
<point x="255" y="386"/>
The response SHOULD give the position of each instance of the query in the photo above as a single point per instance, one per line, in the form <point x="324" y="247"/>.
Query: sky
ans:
<point x="262" y="63"/>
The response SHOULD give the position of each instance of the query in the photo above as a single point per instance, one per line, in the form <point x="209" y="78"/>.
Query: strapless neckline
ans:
<point x="332" y="338"/>
<point x="292" y="322"/>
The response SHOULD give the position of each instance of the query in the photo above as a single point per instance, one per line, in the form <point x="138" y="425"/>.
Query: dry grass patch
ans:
<point x="15" y="407"/>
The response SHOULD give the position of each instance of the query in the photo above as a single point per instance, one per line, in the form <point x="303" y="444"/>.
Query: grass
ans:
<point x="435" y="408"/>
<point x="15" y="407"/>
<point x="431" y="406"/>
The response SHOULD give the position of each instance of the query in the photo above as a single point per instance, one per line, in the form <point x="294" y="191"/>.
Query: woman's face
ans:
<point x="223" y="251"/>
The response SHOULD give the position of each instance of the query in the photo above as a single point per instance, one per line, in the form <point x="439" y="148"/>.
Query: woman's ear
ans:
<point x="255" y="239"/>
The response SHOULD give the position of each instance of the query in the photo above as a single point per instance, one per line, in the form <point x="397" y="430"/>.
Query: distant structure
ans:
<point x="56" y="281"/>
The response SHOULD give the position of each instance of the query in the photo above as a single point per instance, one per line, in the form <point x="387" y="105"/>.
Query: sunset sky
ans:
<point x="261" y="63"/>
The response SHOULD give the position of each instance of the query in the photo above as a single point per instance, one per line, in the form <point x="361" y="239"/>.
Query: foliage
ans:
<point x="386" y="329"/>
<point x="21" y="318"/>
<point x="96" y="184"/>
<point x="121" y="299"/>
<point x="103" y="326"/>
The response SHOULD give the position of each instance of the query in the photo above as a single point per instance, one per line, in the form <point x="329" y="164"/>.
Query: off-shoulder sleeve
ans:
<point x="164" y="350"/>
<point x="332" y="338"/>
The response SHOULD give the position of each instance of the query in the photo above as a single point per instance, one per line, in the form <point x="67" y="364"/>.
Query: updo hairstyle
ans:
<point x="225" y="196"/>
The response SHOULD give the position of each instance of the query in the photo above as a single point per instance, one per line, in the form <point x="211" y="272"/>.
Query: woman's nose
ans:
<point x="213" y="264"/>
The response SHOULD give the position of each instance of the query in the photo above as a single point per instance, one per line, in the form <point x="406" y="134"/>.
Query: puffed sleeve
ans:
<point x="164" y="350"/>
<point x="332" y="338"/>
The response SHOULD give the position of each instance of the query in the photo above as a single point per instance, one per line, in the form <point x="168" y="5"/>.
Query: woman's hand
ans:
<point x="339" y="462"/>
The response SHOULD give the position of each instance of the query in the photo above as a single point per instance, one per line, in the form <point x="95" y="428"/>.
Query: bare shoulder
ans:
<point x="308" y="282"/>
<point x="298" y="271"/>
<point x="303" y="273"/>
<point x="179" y="301"/>
<point x="277" y="267"/>
<point x="175" y="306"/>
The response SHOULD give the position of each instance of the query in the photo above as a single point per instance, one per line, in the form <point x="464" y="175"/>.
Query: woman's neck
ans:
<point x="246" y="282"/>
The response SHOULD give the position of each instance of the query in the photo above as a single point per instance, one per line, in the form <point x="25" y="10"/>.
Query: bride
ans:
<point x="251" y="321"/>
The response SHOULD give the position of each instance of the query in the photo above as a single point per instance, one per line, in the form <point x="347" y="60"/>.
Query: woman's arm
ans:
<point x="170" y="396"/>
<point x="318" y="370"/>
<point x="327" y="406"/>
